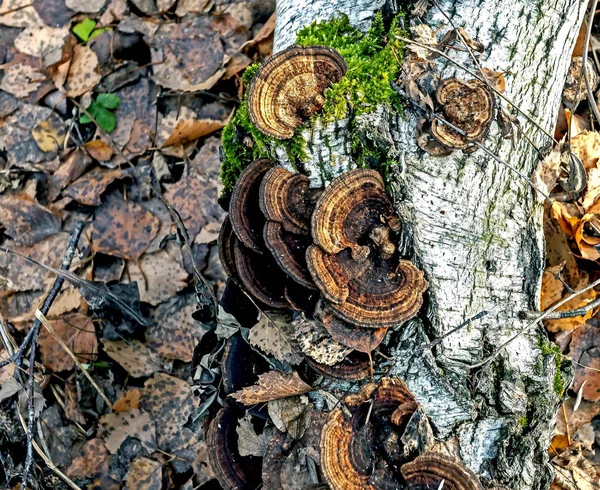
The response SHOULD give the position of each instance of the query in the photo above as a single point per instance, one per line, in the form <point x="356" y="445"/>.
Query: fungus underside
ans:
<point x="373" y="62"/>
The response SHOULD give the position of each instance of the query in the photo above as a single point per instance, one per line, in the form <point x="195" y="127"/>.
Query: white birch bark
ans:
<point x="475" y="229"/>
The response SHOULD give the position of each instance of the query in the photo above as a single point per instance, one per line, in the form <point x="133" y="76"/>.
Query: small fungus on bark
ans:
<point x="289" y="87"/>
<point x="244" y="211"/>
<point x="468" y="105"/>
<point x="364" y="450"/>
<point x="431" y="469"/>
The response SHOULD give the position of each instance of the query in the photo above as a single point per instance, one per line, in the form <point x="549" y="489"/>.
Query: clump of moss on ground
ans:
<point x="373" y="61"/>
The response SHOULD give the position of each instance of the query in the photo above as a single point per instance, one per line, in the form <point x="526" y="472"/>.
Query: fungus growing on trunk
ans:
<point x="431" y="469"/>
<point x="289" y="87"/>
<point x="468" y="105"/>
<point x="244" y="211"/>
<point x="364" y="450"/>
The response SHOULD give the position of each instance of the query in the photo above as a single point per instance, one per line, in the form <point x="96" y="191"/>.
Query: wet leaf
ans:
<point x="585" y="349"/>
<point x="99" y="150"/>
<point x="272" y="385"/>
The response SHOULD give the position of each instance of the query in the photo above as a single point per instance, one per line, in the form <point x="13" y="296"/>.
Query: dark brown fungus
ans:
<point x="226" y="243"/>
<point x="363" y="450"/>
<point x="289" y="87"/>
<point x="231" y="469"/>
<point x="289" y="250"/>
<point x="246" y="217"/>
<point x="431" y="469"/>
<point x="468" y="105"/>
<point x="286" y="197"/>
<point x="301" y="298"/>
<point x="354" y="367"/>
<point x="261" y="276"/>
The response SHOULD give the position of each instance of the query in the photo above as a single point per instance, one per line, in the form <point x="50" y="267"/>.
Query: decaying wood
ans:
<point x="475" y="228"/>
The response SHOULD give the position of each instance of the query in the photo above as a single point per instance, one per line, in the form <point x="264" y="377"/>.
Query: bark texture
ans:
<point x="475" y="228"/>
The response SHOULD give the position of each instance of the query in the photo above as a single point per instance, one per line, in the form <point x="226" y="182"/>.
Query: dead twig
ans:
<point x="559" y="315"/>
<point x="33" y="337"/>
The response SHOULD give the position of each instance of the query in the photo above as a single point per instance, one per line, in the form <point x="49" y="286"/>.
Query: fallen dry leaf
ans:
<point x="19" y="13"/>
<point x="21" y="80"/>
<point x="43" y="42"/>
<point x="25" y="220"/>
<point x="144" y="474"/>
<point x="134" y="356"/>
<point x="170" y="401"/>
<point x="123" y="228"/>
<point x="117" y="426"/>
<point x="72" y="402"/>
<point x="92" y="460"/>
<point x="585" y="349"/>
<point x="88" y="188"/>
<point x="291" y="415"/>
<point x="129" y="400"/>
<point x="78" y="333"/>
<point x="159" y="277"/>
<point x="99" y="150"/>
<point x="495" y="79"/>
<point x="189" y="130"/>
<point x="272" y="385"/>
<point x="316" y="342"/>
<point x="50" y="134"/>
<point x="249" y="442"/>
<point x="87" y="6"/>
<point x="274" y="335"/>
<point x="84" y="72"/>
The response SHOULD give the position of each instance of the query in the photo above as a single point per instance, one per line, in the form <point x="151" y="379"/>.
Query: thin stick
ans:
<point x="35" y="330"/>
<point x="539" y="318"/>
<point x="472" y="73"/>
<point x="558" y="315"/>
<point x="564" y="410"/>
<point x="48" y="326"/>
<point x="586" y="47"/>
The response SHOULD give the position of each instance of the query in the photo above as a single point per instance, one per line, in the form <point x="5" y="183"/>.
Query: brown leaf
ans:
<point x="583" y="415"/>
<point x="236" y="64"/>
<point x="174" y="334"/>
<point x="92" y="461"/>
<point x="495" y="79"/>
<point x="130" y="400"/>
<point x="159" y="277"/>
<point x="273" y="385"/>
<point x="19" y="13"/>
<point x="317" y="343"/>
<point x="84" y="72"/>
<point x="274" y="335"/>
<point x="72" y="406"/>
<point x="99" y="150"/>
<point x="123" y="228"/>
<point x="144" y="474"/>
<point x="78" y="333"/>
<point x="87" y="6"/>
<point x="50" y="135"/>
<point x="43" y="42"/>
<point x="291" y="415"/>
<point x="7" y="371"/>
<point x="195" y="199"/>
<point x="249" y="442"/>
<point x="21" y="80"/>
<point x="585" y="349"/>
<point x="170" y="401"/>
<point x="88" y="188"/>
<point x="117" y="426"/>
<point x="26" y="221"/>
<point x="134" y="356"/>
<point x="191" y="129"/>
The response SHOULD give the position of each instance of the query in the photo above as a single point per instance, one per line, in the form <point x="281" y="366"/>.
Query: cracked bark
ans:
<point x="475" y="228"/>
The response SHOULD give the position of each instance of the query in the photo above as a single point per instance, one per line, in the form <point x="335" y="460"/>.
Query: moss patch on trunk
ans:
<point x="373" y="62"/>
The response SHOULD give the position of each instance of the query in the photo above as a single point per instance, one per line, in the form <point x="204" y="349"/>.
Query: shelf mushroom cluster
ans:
<point x="328" y="253"/>
<point x="364" y="448"/>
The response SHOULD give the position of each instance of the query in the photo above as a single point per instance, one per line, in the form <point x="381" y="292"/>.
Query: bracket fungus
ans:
<point x="363" y="450"/>
<point x="431" y="469"/>
<point x="289" y="87"/>
<point x="468" y="105"/>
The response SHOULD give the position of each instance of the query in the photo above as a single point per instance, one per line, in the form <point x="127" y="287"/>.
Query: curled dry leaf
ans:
<point x="291" y="415"/>
<point x="188" y="130"/>
<point x="273" y="385"/>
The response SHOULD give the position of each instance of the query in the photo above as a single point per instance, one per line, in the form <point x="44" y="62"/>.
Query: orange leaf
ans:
<point x="273" y="385"/>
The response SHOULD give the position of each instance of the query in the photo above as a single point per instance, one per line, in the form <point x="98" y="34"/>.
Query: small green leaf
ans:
<point x="84" y="119"/>
<point x="84" y="29"/>
<point x="106" y="119"/>
<point x="97" y="32"/>
<point x="108" y="101"/>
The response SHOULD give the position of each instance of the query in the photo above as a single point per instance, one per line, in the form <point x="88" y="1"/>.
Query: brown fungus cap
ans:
<point x="347" y="211"/>
<point x="362" y="451"/>
<point x="354" y="367"/>
<point x="289" y="251"/>
<point x="468" y="105"/>
<point x="289" y="87"/>
<point x="430" y="469"/>
<point x="226" y="242"/>
<point x="286" y="197"/>
<point x="246" y="217"/>
<point x="360" y="339"/>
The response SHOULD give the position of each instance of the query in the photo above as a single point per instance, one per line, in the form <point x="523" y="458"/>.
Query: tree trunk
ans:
<point x="475" y="228"/>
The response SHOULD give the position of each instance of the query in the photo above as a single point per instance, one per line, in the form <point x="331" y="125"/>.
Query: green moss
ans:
<point x="523" y="422"/>
<point x="549" y="348"/>
<point x="373" y="62"/>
